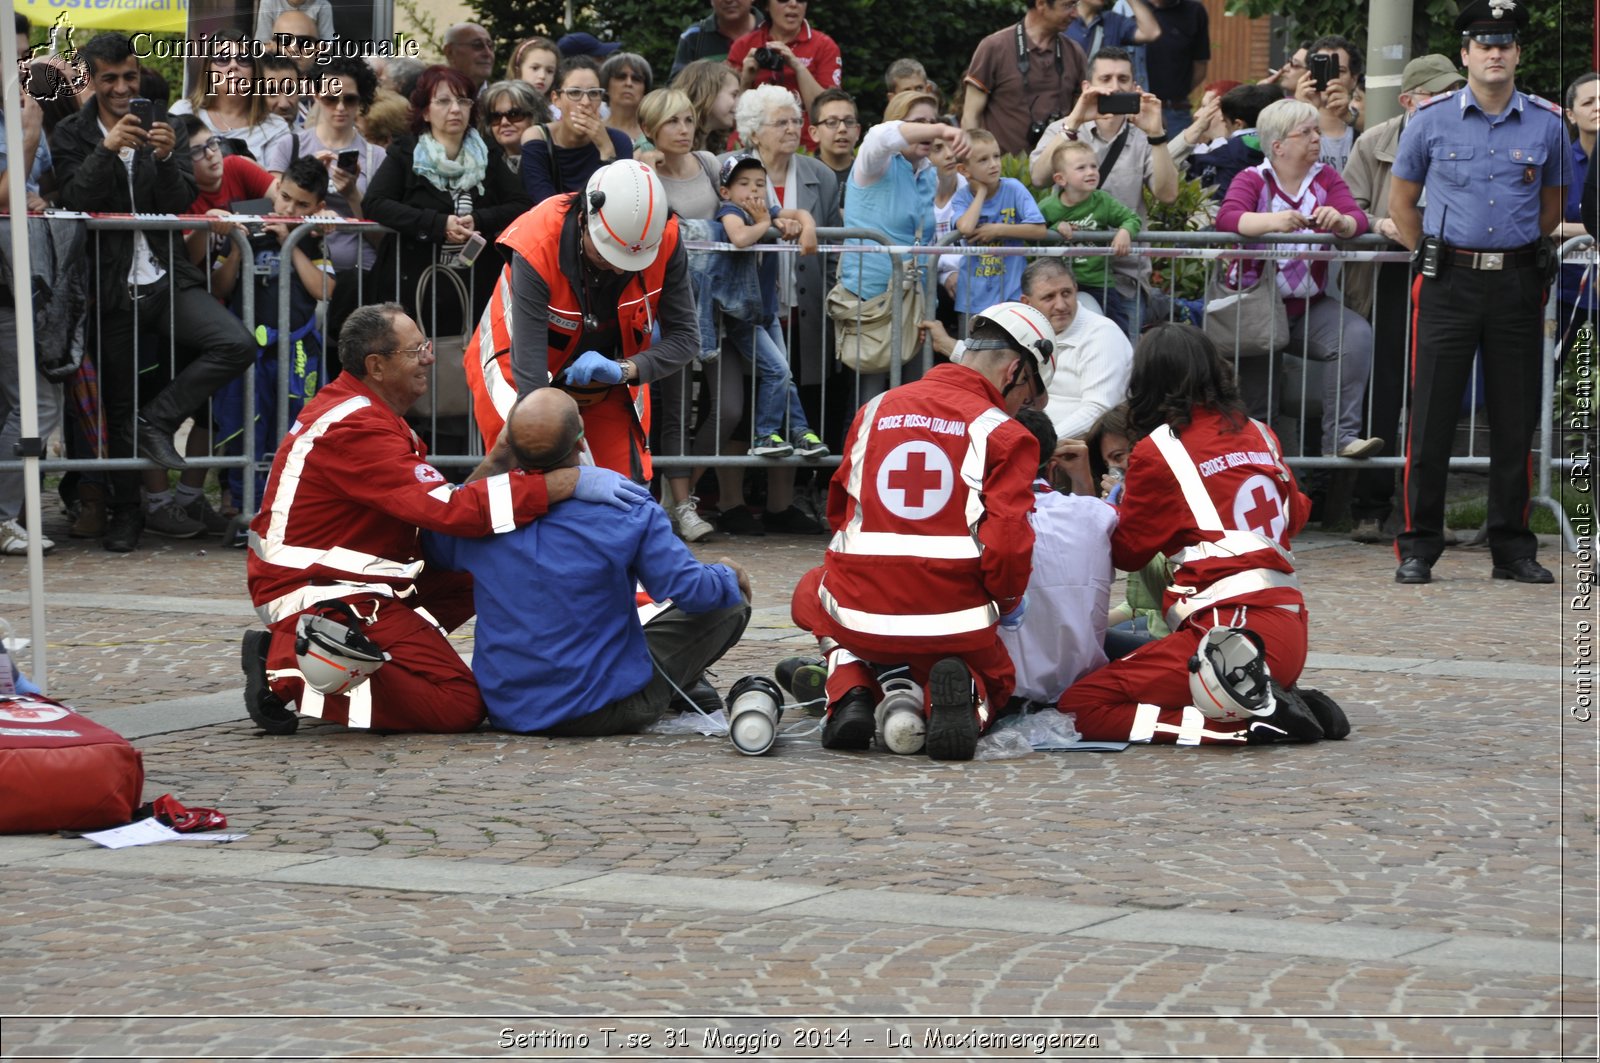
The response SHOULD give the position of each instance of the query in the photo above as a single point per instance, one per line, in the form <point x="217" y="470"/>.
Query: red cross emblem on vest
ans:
<point x="915" y="480"/>
<point x="1257" y="507"/>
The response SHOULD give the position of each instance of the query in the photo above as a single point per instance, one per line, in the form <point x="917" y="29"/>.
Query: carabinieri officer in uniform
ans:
<point x="1490" y="160"/>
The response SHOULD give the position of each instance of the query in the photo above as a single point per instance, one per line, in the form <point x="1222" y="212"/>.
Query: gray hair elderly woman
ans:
<point x="509" y="107"/>
<point x="769" y="120"/>
<point x="1292" y="192"/>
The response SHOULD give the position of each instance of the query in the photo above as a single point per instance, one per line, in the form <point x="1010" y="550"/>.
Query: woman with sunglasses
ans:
<point x="626" y="77"/>
<point x="234" y="112"/>
<point x="349" y="87"/>
<point x="509" y="108"/>
<point x="580" y="141"/>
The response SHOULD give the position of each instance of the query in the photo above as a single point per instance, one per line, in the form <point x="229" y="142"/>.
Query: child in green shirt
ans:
<point x="1078" y="203"/>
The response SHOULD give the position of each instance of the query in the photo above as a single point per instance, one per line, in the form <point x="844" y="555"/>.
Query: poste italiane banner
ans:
<point x="153" y="16"/>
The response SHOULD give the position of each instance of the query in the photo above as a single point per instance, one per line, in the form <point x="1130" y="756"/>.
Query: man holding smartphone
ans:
<point x="1333" y="67"/>
<point x="113" y="163"/>
<point x="1131" y="143"/>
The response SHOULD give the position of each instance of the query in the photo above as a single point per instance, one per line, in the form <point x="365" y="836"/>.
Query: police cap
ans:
<point x="1492" y="21"/>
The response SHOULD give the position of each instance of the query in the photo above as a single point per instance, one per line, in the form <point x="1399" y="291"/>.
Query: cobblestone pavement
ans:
<point x="1426" y="889"/>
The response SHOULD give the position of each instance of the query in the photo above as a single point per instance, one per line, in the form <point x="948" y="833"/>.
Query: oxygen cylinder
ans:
<point x="755" y="705"/>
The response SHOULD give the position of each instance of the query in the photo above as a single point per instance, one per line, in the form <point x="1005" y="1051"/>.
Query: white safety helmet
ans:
<point x="626" y="209"/>
<point x="335" y="654"/>
<point x="1228" y="677"/>
<point x="1029" y="330"/>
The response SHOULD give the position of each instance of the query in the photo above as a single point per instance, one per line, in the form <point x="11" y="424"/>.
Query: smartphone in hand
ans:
<point x="1119" y="102"/>
<point x="348" y="160"/>
<point x="471" y="250"/>
<point x="144" y="110"/>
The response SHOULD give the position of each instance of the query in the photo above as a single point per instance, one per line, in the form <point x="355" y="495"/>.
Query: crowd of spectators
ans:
<point x="1109" y="103"/>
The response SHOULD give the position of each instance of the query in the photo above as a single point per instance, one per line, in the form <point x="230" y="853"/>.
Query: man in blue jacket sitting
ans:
<point x="560" y="646"/>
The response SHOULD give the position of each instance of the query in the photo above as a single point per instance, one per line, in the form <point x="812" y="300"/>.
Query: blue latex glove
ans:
<point x="609" y="488"/>
<point x="1013" y="620"/>
<point x="592" y="367"/>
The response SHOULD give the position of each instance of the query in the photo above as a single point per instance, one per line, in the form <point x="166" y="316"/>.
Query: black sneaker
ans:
<point x="792" y="521"/>
<point x="1291" y="721"/>
<point x="123" y="526"/>
<point x="1330" y="717"/>
<point x="740" y="520"/>
<point x="702" y="696"/>
<point x="806" y="680"/>
<point x="265" y="708"/>
<point x="203" y="511"/>
<point x="952" y="717"/>
<point x="850" y="721"/>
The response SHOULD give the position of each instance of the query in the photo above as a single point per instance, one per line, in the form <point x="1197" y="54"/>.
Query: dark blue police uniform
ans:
<point x="1482" y="176"/>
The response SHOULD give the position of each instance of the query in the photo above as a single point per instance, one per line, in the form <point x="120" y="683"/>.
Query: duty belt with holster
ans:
<point x="1433" y="257"/>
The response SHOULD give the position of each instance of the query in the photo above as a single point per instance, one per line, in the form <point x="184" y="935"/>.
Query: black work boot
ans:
<point x="952" y="714"/>
<point x="850" y="721"/>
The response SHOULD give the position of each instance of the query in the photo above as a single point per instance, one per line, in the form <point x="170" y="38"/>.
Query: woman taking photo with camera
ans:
<point x="787" y="51"/>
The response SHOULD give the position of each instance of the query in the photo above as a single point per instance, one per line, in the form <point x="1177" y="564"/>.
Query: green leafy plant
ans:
<point x="1184" y="278"/>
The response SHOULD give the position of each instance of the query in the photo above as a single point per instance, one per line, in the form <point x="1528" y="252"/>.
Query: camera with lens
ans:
<point x="1323" y="68"/>
<point x="769" y="59"/>
<point x="1037" y="127"/>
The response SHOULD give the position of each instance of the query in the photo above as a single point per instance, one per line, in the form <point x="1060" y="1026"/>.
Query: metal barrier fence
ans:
<point x="808" y="340"/>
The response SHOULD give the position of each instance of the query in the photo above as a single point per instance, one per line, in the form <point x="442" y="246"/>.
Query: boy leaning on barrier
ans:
<point x="745" y="216"/>
<point x="992" y="209"/>
<point x="1078" y="203"/>
<point x="300" y="193"/>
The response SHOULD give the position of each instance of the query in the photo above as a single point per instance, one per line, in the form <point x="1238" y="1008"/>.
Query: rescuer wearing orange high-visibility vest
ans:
<point x="591" y="277"/>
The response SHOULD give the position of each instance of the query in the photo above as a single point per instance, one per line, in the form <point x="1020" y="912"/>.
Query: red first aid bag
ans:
<point x="63" y="771"/>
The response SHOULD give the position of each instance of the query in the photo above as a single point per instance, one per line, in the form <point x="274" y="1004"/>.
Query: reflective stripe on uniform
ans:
<point x="858" y="454"/>
<point x="910" y="625"/>
<point x="977" y="457"/>
<point x="888" y="544"/>
<point x="1227" y="589"/>
<point x="1231" y="544"/>
<point x="502" y="392"/>
<point x="361" y="704"/>
<point x="272" y="548"/>
<point x="1188" y="476"/>
<point x="1144" y="722"/>
<point x="502" y="508"/>
<point x="303" y="598"/>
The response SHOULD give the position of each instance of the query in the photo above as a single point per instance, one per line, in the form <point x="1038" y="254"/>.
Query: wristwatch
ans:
<point x="628" y="369"/>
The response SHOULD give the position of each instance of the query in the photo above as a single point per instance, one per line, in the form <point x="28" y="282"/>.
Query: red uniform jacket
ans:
<point x="1223" y="508"/>
<point x="349" y="489"/>
<point x="929" y="510"/>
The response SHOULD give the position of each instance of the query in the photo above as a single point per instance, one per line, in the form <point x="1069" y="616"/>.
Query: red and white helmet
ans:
<point x="1029" y="330"/>
<point x="1228" y="675"/>
<point x="626" y="208"/>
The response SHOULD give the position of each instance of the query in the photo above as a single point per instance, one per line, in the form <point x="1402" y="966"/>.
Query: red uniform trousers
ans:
<point x="990" y="666"/>
<point x="1107" y="702"/>
<point x="425" y="687"/>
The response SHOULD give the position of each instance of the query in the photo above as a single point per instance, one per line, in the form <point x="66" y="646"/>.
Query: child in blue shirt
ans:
<point x="746" y="216"/>
<point x="992" y="210"/>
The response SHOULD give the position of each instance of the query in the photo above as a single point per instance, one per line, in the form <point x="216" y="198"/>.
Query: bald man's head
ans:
<point x="544" y="427"/>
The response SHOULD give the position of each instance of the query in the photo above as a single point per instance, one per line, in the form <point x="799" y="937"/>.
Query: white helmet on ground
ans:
<point x="1029" y="330"/>
<point x="1228" y="676"/>
<point x="335" y="654"/>
<point x="626" y="210"/>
